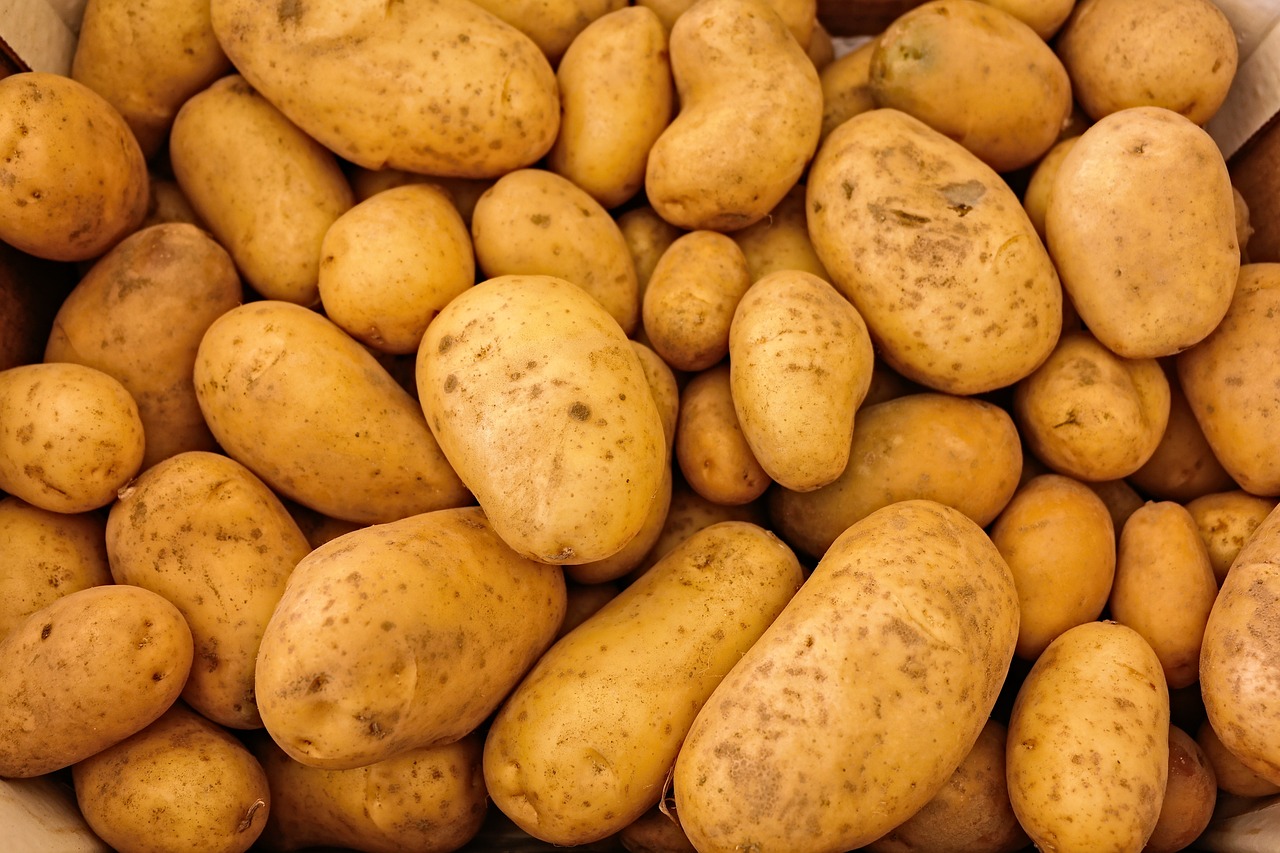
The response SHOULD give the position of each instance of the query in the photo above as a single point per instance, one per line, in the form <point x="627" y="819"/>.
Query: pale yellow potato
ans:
<point x="537" y="223"/>
<point x="182" y="783"/>
<point x="1232" y="381"/>
<point x="138" y="316"/>
<point x="957" y="451"/>
<point x="888" y="385"/>
<point x="1231" y="775"/>
<point x="633" y="553"/>
<point x="1121" y="500"/>
<point x="799" y="15"/>
<point x="428" y="800"/>
<point x="1088" y="749"/>
<point x="464" y="192"/>
<point x="46" y="555"/>
<point x="1058" y="539"/>
<point x="491" y="106"/>
<point x="846" y="87"/>
<point x="691" y="512"/>
<point x="1189" y="797"/>
<point x="553" y="25"/>
<point x="655" y="832"/>
<point x="821" y="49"/>
<point x="318" y="528"/>
<point x="936" y="253"/>
<point x="781" y="241"/>
<point x="73" y="181"/>
<point x="663" y="386"/>
<point x="1176" y="54"/>
<point x="1244" y="227"/>
<point x="582" y="601"/>
<point x="800" y="364"/>
<point x="1091" y="414"/>
<point x="583" y="746"/>
<point x="711" y="449"/>
<point x="1226" y="520"/>
<point x="266" y="190"/>
<point x="616" y="99"/>
<point x="85" y="672"/>
<point x="401" y="636"/>
<point x="690" y="299"/>
<point x="307" y="409"/>
<point x="1043" y="16"/>
<point x="146" y="59"/>
<point x="70" y="436"/>
<point x="750" y="117"/>
<point x="648" y="236"/>
<point x="1183" y="466"/>
<point x="167" y="203"/>
<point x="1141" y="225"/>
<point x="1040" y="187"/>
<point x="904" y="630"/>
<point x="391" y="263"/>
<point x="976" y="74"/>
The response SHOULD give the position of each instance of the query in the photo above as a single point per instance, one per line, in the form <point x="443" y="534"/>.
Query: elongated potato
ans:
<point x="711" y="450"/>
<point x="633" y="553"/>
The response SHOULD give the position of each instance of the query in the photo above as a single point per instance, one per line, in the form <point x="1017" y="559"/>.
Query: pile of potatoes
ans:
<point x="638" y="419"/>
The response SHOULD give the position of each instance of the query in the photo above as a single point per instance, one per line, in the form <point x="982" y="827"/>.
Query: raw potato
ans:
<point x="1088" y="753"/>
<point x="799" y="366"/>
<point x="73" y="181"/>
<point x="1232" y="776"/>
<point x="86" y="672"/>
<point x="663" y="386"/>
<point x="167" y="203"/>
<point x="543" y="408"/>
<point x="583" y="746"/>
<point x="846" y="88"/>
<point x="799" y="15"/>
<point x="538" y="223"/>
<point x="616" y="98"/>
<point x="1036" y="199"/>
<point x="750" y="117"/>
<point x="1141" y="226"/>
<point x="1121" y="500"/>
<point x="1226" y="520"/>
<point x="464" y="192"/>
<point x="583" y="601"/>
<point x="1183" y="466"/>
<point x="655" y="832"/>
<point x="70" y="436"/>
<point x="491" y="106"/>
<point x="780" y="241"/>
<point x="310" y="411"/>
<point x="821" y="49"/>
<point x="1043" y="16"/>
<point x="1189" y="797"/>
<point x="648" y="236"/>
<point x="711" y="449"/>
<point x="633" y="553"/>
<point x="691" y="512"/>
<point x="1244" y="228"/>
<point x="182" y="783"/>
<point x="553" y="25"/>
<point x="936" y="253"/>
<point x="906" y="626"/>
<point x="139" y="315"/>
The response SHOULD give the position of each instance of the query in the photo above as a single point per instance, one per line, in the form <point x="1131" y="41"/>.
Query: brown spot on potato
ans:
<point x="579" y="411"/>
<point x="46" y="631"/>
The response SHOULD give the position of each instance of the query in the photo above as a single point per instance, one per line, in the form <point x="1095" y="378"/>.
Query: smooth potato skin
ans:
<point x="1226" y="520"/>
<point x="781" y="241"/>
<point x="846" y="88"/>
<point x="1189" y="797"/>
<point x="711" y="449"/>
<point x="553" y="26"/>
<point x="1183" y="466"/>
<point x="1233" y="777"/>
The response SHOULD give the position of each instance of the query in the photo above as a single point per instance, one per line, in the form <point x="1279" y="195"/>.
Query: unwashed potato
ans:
<point x="1183" y="466"/>
<point x="1036" y="198"/>
<point x="1121" y="500"/>
<point x="553" y="25"/>
<point x="691" y="512"/>
<point x="663" y="386"/>
<point x="582" y="601"/>
<point x="781" y="241"/>
<point x="1232" y="776"/>
<point x="821" y="49"/>
<point x="464" y="192"/>
<point x="167" y="203"/>
<point x="633" y="553"/>
<point x="711" y="448"/>
<point x="1226" y="520"/>
<point x="1189" y="798"/>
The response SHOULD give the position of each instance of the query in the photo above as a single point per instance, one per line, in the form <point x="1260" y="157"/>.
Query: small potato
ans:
<point x="582" y="601"/>
<point x="553" y="26"/>
<point x="655" y="832"/>
<point x="797" y="14"/>
<point x="821" y="49"/>
<point x="1036" y="199"/>
<point x="70" y="436"/>
<point x="1043" y="16"/>
<point x="846" y="87"/>
<point x="182" y="783"/>
<point x="463" y="192"/>
<point x="166" y="203"/>
<point x="886" y="385"/>
<point x="1121" y="500"/>
<point x="1226" y="521"/>
<point x="711" y="449"/>
<point x="1244" y="227"/>
<point x="781" y="241"/>
<point x="1231" y="775"/>
<point x="691" y="512"/>
<point x="1189" y="798"/>
<point x="648" y="236"/>
<point x="663" y="386"/>
<point x="1183" y="466"/>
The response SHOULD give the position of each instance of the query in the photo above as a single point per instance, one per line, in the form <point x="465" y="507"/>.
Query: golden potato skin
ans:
<point x="1088" y="754"/>
<point x="85" y="672"/>
<point x="1043" y="16"/>
<point x="167" y="203"/>
<point x="584" y="744"/>
<point x="655" y="832"/>
<point x="1232" y="776"/>
<point x="553" y="26"/>
<point x="182" y="783"/>
<point x="1036" y="198"/>
<point x="648" y="236"/>
<point x="907" y="625"/>
<point x="633" y="553"/>
<point x="1121" y="500"/>
<point x="1226" y="520"/>
<point x="846" y="87"/>
<point x="1183" y="466"/>
<point x="70" y="436"/>
<point x="691" y="512"/>
<point x="711" y="449"/>
<point x="797" y="14"/>
<point x="781" y="241"/>
<point x="1189" y="798"/>
<point x="663" y="386"/>
<point x="936" y="253"/>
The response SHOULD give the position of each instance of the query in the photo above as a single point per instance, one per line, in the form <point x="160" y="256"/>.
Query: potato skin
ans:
<point x="648" y="236"/>
<point x="1183" y="466"/>
<point x="553" y="26"/>
<point x="1226" y="520"/>
<point x="781" y="241"/>
<point x="846" y="87"/>
<point x="93" y="667"/>
<point x="1232" y="776"/>
<point x="1189" y="797"/>
<point x="711" y="449"/>
<point x="1043" y="16"/>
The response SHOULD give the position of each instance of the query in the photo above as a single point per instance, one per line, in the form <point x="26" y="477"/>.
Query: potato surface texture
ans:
<point x="813" y="741"/>
<point x="542" y="406"/>
<point x="711" y="449"/>
<point x="1226" y="520"/>
<point x="554" y="26"/>
<point x="1189" y="797"/>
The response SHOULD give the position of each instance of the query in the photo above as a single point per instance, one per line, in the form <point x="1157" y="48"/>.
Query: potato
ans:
<point x="267" y="191"/>
<point x="1231" y="775"/>
<point x="1091" y="414"/>
<point x="491" y="107"/>
<point x="400" y="636"/>
<point x="616" y="99"/>
<point x="166" y="203"/>
<point x="633" y="553"/>
<point x="1176" y="54"/>
<point x="799" y="366"/>
<point x="887" y="385"/>
<point x="906" y="626"/>
<point x="1121" y="500"/>
<point x="780" y="241"/>
<point x="85" y="672"/>
<point x="936" y="253"/>
<point x="46" y="555"/>
<point x="1244" y="227"/>
<point x="463" y="192"/>
<point x="1040" y="187"/>
<point x="1141" y="226"/>
<point x="73" y="182"/>
<point x="139" y="315"/>
<point x="1189" y="797"/>
<point x="1007" y="108"/>
<point x="1088" y="755"/>
<point x="318" y="528"/>
<point x="750" y="117"/>
<point x="846" y="87"/>
<point x="391" y="263"/>
<point x="1043" y="16"/>
<point x="146" y="59"/>
<point x="555" y="25"/>
<point x="648" y="236"/>
<point x="309" y="411"/>
<point x="543" y="408"/>
<point x="711" y="449"/>
<point x="960" y="452"/>
<point x="582" y="602"/>
<point x="663" y="386"/>
<point x="821" y="49"/>
<point x="1058" y="539"/>
<point x="797" y="14"/>
<point x="429" y="800"/>
<point x="1183" y="466"/>
<point x="1164" y="587"/>
<point x="582" y="747"/>
<point x="691" y="512"/>
<point x="655" y="831"/>
<point x="1226" y="520"/>
<point x="31" y="289"/>
<point x="70" y="436"/>
<point x="180" y="783"/>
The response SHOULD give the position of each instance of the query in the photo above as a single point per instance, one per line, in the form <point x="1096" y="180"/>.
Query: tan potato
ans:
<point x="180" y="783"/>
<point x="821" y="49"/>
<point x="85" y="672"/>
<point x="166" y="203"/>
<point x="888" y="385"/>
<point x="799" y="15"/>
<point x="1244" y="227"/>
<point x="73" y="181"/>
<point x="582" y="601"/>
<point x="633" y="553"/>
<point x="691" y="512"/>
<point x="70" y="436"/>
<point x="1232" y="776"/>
<point x="318" y="528"/>
<point x="750" y="117"/>
<point x="663" y="386"/>
<point x="616" y="98"/>
<point x="1043" y="16"/>
<point x="1088" y="755"/>
<point x="711" y="449"/>
<point x="1183" y="466"/>
<point x="648" y="236"/>
<point x="464" y="192"/>
<point x="960" y="452"/>
<point x="1189" y="797"/>
<point x="1040" y="187"/>
<point x="655" y="831"/>
<point x="846" y="87"/>
<point x="1141" y="226"/>
<point x="1121" y="500"/>
<point x="781" y="241"/>
<point x="1226" y="520"/>
<point x="906" y="626"/>
<point x="553" y="26"/>
<point x="139" y="315"/>
<point x="492" y="105"/>
<point x="31" y="289"/>
<point x="935" y="252"/>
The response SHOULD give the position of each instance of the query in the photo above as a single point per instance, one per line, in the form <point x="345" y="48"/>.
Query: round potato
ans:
<point x="1226" y="520"/>
<point x="1232" y="776"/>
<point x="846" y="87"/>
<point x="1121" y="500"/>
<point x="1183" y="466"/>
<point x="663" y="386"/>
<point x="781" y="241"/>
<point x="1189" y="797"/>
<point x="711" y="449"/>
<point x="167" y="203"/>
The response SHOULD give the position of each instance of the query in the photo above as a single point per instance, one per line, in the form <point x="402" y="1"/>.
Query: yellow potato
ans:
<point x="633" y="553"/>
<point x="167" y="203"/>
<point x="821" y="49"/>
<point x="648" y="236"/>
<point x="1244" y="227"/>
<point x="554" y="25"/>
<point x="655" y="832"/>
<point x="781" y="241"/>
<point x="711" y="449"/>
<point x="1231" y="775"/>
<point x="797" y="14"/>
<point x="1226" y="520"/>
<point x="1183" y="466"/>
<point x="583" y="601"/>
<point x="691" y="512"/>
<point x="663" y="386"/>
<point x="1121" y="500"/>
<point x="846" y="87"/>
<point x="1040" y="187"/>
<point x="1189" y="797"/>
<point x="464" y="192"/>
<point x="1043" y="16"/>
